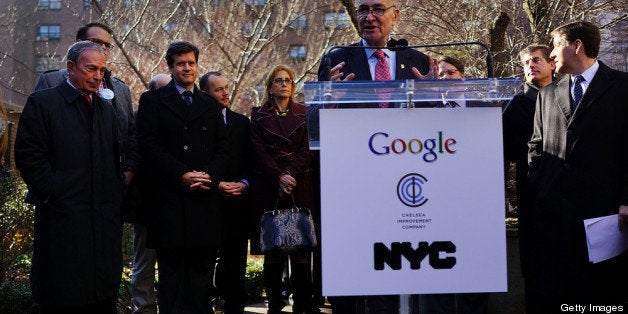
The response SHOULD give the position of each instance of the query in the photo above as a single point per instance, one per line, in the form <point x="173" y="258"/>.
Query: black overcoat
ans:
<point x="175" y="139"/>
<point x="71" y="165"/>
<point x="579" y="170"/>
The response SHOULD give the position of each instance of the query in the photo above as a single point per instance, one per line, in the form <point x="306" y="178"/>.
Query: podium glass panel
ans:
<point x="401" y="95"/>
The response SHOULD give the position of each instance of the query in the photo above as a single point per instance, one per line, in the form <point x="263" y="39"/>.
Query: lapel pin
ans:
<point x="106" y="93"/>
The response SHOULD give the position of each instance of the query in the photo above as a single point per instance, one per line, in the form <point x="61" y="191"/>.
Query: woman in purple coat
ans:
<point x="281" y="172"/>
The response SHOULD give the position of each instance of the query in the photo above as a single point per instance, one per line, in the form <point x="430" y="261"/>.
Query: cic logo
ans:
<point x="410" y="190"/>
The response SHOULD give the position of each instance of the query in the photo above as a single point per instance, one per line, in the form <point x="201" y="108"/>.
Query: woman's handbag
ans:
<point x="287" y="230"/>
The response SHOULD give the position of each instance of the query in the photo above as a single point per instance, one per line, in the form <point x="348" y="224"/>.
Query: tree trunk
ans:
<point x="350" y="8"/>
<point x="536" y="11"/>
<point x="498" y="44"/>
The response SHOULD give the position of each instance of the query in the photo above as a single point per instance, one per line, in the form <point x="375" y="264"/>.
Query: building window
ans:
<point x="258" y="3"/>
<point x="247" y="29"/>
<point x="131" y="3"/>
<point x="44" y="64"/>
<point x="298" y="52"/>
<point x="170" y="27"/>
<point x="88" y="3"/>
<point x="48" y="32"/>
<point x="49" y="4"/>
<point x="336" y="20"/>
<point x="299" y="22"/>
<point x="217" y="3"/>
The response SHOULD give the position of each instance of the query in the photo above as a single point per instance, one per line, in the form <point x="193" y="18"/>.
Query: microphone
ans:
<point x="394" y="45"/>
<point x="401" y="44"/>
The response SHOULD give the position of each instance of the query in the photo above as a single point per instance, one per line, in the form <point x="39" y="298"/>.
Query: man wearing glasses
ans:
<point x="376" y="19"/>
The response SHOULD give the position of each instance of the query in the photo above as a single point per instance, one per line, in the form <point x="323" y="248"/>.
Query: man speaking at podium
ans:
<point x="376" y="19"/>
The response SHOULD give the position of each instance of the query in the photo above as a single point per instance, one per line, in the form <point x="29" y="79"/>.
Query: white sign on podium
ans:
<point x="412" y="201"/>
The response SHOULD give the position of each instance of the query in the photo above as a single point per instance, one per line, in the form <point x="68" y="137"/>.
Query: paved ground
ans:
<point x="261" y="308"/>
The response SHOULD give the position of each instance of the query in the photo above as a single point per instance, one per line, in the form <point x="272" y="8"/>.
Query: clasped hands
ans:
<point x="196" y="180"/>
<point x="232" y="188"/>
<point x="336" y="72"/>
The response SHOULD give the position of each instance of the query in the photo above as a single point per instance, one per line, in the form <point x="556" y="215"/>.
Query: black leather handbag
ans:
<point x="287" y="230"/>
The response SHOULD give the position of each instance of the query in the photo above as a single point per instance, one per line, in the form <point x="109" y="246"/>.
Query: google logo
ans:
<point x="379" y="144"/>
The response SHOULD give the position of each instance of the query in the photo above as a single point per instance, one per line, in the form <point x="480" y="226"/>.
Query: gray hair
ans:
<point x="76" y="50"/>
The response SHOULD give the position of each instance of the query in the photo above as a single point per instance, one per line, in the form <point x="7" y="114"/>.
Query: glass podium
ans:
<point x="491" y="92"/>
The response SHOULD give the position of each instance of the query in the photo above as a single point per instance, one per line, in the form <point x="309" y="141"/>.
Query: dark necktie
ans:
<point x="577" y="91"/>
<point x="187" y="96"/>
<point x="88" y="99"/>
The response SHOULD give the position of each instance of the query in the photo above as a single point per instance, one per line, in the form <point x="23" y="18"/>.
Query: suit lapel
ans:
<point x="601" y="82"/>
<point x="403" y="71"/>
<point x="173" y="101"/>
<point x="359" y="64"/>
<point x="561" y="95"/>
<point x="269" y="121"/>
<point x="199" y="105"/>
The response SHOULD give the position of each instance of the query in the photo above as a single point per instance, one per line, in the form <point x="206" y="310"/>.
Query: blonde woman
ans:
<point x="282" y="171"/>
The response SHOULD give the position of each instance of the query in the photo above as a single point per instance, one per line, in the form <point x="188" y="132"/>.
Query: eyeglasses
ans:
<point x="279" y="81"/>
<point x="448" y="72"/>
<point x="101" y="43"/>
<point x="377" y="11"/>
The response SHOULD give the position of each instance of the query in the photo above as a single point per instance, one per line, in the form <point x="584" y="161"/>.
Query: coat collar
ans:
<point x="269" y="121"/>
<point x="69" y="93"/>
<point x="172" y="100"/>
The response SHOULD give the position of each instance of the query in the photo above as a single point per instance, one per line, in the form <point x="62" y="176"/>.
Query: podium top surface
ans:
<point x="490" y="89"/>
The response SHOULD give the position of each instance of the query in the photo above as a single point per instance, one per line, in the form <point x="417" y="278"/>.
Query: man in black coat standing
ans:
<point x="578" y="170"/>
<point x="183" y="146"/>
<point x="518" y="121"/>
<point x="66" y="151"/>
<point x="235" y="207"/>
<point x="112" y="91"/>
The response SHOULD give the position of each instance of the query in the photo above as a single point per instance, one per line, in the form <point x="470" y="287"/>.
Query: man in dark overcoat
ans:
<point x="66" y="150"/>
<point x="183" y="148"/>
<point x="112" y="91"/>
<point x="235" y="206"/>
<point x="578" y="170"/>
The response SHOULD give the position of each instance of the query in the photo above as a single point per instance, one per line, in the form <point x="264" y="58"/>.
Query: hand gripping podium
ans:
<point x="412" y="196"/>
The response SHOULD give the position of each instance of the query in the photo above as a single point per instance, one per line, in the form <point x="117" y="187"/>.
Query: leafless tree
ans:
<point x="241" y="39"/>
<point x="506" y="25"/>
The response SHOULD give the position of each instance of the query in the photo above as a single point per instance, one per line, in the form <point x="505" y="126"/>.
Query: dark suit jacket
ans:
<point x="236" y="211"/>
<point x="579" y="170"/>
<point x="518" y="121"/>
<point x="175" y="139"/>
<point x="356" y="62"/>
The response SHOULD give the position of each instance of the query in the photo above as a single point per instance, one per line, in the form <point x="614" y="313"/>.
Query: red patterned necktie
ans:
<point x="382" y="73"/>
<point x="88" y="99"/>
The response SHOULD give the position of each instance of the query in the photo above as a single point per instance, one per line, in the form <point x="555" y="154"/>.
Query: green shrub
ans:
<point x="254" y="279"/>
<point x="16" y="228"/>
<point x="15" y="297"/>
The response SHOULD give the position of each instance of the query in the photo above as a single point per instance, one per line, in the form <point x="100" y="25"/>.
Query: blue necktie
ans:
<point x="577" y="91"/>
<point x="187" y="96"/>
